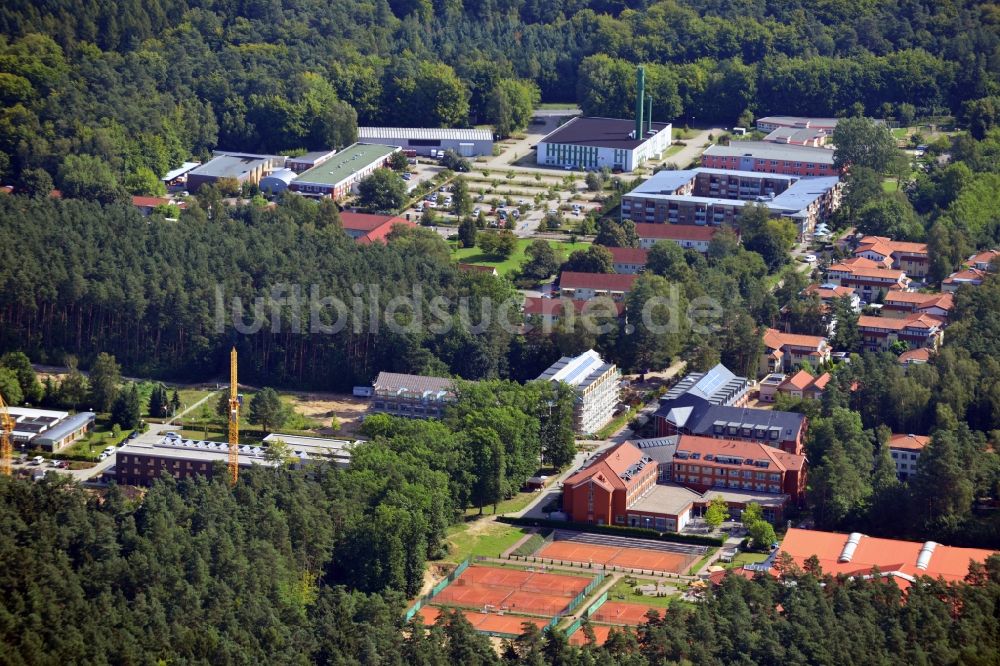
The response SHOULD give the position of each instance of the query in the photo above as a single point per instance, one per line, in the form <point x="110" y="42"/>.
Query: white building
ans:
<point x="594" y="143"/>
<point x="47" y="429"/>
<point x="597" y="386"/>
<point x="905" y="452"/>
<point x="422" y="140"/>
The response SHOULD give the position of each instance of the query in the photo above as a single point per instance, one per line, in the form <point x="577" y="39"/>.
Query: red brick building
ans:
<point x="603" y="490"/>
<point x="704" y="463"/>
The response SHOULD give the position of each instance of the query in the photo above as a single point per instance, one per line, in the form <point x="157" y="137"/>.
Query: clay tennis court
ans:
<point x="601" y="632"/>
<point x="513" y="590"/>
<point x="623" y="613"/>
<point x="632" y="558"/>
<point x="492" y="622"/>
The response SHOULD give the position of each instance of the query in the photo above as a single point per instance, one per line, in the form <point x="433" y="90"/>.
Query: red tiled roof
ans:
<point x="689" y="232"/>
<point x="865" y="268"/>
<point x="365" y="221"/>
<point x="922" y="355"/>
<point x="775" y="339"/>
<point x="557" y="306"/>
<point x="967" y="275"/>
<point x="598" y="281"/>
<point x="889" y="555"/>
<point x="607" y="470"/>
<point x="886" y="246"/>
<point x="820" y="382"/>
<point x="986" y="257"/>
<point x="800" y="380"/>
<point x="913" y="321"/>
<point x="908" y="442"/>
<point x="782" y="460"/>
<point x="944" y="301"/>
<point x="629" y="255"/>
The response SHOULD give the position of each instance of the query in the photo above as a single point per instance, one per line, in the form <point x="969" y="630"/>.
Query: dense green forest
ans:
<point x="268" y="572"/>
<point x="122" y="91"/>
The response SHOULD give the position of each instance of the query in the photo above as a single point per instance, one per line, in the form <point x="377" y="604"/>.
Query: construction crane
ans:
<point x="6" y="448"/>
<point x="235" y="400"/>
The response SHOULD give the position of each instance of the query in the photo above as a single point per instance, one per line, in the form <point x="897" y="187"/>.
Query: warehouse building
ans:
<point x="277" y="182"/>
<point x="423" y="140"/>
<point x="618" y="144"/>
<point x="597" y="386"/>
<point x="241" y="167"/>
<point x="337" y="176"/>
<point x="46" y="429"/>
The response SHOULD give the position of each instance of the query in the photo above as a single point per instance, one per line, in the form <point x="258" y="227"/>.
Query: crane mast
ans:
<point x="234" y="422"/>
<point x="6" y="448"/>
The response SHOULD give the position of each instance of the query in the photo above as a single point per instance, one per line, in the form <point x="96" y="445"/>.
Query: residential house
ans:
<point x="915" y="357"/>
<point x="905" y="453"/>
<point x="804" y="385"/>
<point x="878" y="334"/>
<point x="785" y="351"/>
<point x="867" y="277"/>
<point x="629" y="260"/>
<point x="767" y="388"/>
<point x="911" y="258"/>
<point x="688" y="236"/>
<point x="366" y="229"/>
<point x="547" y="312"/>
<point x="983" y="261"/>
<point x="901" y="304"/>
<point x="586" y="286"/>
<point x="828" y="293"/>
<point x="968" y="276"/>
<point x="146" y="205"/>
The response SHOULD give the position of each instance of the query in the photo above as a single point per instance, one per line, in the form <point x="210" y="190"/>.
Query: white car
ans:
<point x="553" y="211"/>
<point x="809" y="258"/>
<point x="109" y="450"/>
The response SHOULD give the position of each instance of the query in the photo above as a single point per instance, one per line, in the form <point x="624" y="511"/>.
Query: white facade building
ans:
<point x="597" y="386"/>
<point x="594" y="143"/>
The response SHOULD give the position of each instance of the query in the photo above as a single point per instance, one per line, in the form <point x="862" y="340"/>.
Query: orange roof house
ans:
<point x="856" y="554"/>
<point x="912" y="258"/>
<point x="903" y="303"/>
<point x="783" y="351"/>
<point x="603" y="489"/>
<point x="366" y="229"/>
<point x="804" y="385"/>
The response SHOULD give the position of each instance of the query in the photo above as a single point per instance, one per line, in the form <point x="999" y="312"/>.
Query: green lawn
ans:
<point x="614" y="425"/>
<point x="672" y="150"/>
<point x="557" y="106"/>
<point x="96" y="441"/>
<point x="472" y="255"/>
<point x="890" y="185"/>
<point x="625" y="591"/>
<point x="480" y="537"/>
<point x="744" y="558"/>
<point x="700" y="563"/>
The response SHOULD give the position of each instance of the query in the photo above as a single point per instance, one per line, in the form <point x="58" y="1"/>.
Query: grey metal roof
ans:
<point x="600" y="132"/>
<point x="798" y="121"/>
<point x="65" y="427"/>
<point x="431" y="133"/>
<point x="718" y="386"/>
<point x="766" y="150"/>
<point x="578" y="371"/>
<point x="229" y="166"/>
<point x="395" y="383"/>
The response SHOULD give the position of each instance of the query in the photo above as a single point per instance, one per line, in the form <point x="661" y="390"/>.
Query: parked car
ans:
<point x="109" y="450"/>
<point x="173" y="435"/>
<point x="37" y="460"/>
<point x="809" y="258"/>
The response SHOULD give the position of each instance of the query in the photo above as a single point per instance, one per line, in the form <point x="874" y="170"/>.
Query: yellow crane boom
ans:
<point x="6" y="448"/>
<point x="234" y="422"/>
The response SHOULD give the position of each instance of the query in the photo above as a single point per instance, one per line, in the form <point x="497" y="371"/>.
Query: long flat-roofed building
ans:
<point x="767" y="157"/>
<point x="716" y="197"/>
<point x="47" y="429"/>
<point x="241" y="167"/>
<point x="688" y="236"/>
<point x="597" y="387"/>
<point x="414" y="396"/>
<point x="338" y="175"/>
<point x="422" y="140"/>
<point x="139" y="463"/>
<point x="587" y="286"/>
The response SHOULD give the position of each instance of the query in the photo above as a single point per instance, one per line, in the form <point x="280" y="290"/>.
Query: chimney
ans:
<point x="649" y="116"/>
<point x="640" y="82"/>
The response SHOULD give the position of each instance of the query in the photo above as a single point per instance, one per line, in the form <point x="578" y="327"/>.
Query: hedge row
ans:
<point x="614" y="530"/>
